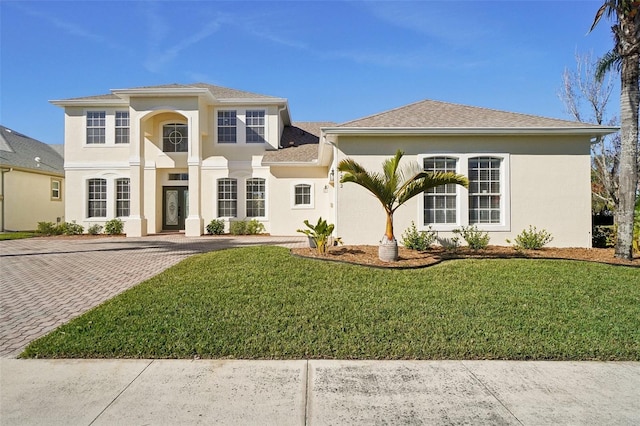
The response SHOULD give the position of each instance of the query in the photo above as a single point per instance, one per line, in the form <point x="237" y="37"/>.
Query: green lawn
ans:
<point x="262" y="303"/>
<point x="17" y="235"/>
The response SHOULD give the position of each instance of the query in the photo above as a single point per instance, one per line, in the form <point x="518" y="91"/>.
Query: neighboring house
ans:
<point x="175" y="157"/>
<point x="31" y="182"/>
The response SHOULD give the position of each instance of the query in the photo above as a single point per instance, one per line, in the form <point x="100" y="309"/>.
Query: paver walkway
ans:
<point x="46" y="282"/>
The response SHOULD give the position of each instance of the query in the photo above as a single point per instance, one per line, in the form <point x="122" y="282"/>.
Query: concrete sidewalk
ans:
<point x="225" y="392"/>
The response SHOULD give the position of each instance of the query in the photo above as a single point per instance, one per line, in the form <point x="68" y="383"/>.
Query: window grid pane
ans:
<point x="227" y="127"/>
<point x="440" y="202"/>
<point x="227" y="198"/>
<point x="255" y="126"/>
<point x="122" y="197"/>
<point x="255" y="197"/>
<point x="122" y="127"/>
<point x="97" y="195"/>
<point x="55" y="189"/>
<point x="96" y="127"/>
<point x="175" y="138"/>
<point x="484" y="190"/>
<point x="302" y="195"/>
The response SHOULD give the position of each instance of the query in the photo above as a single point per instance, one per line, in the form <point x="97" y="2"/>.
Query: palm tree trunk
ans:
<point x="389" y="230"/>
<point x="628" y="183"/>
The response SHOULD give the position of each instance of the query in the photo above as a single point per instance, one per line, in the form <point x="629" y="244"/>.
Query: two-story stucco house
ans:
<point x="174" y="157"/>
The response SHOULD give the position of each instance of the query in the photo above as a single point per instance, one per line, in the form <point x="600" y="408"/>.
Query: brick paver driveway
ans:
<point x="48" y="281"/>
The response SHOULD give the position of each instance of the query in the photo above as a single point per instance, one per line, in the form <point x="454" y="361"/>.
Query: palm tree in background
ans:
<point x="394" y="187"/>
<point x="625" y="58"/>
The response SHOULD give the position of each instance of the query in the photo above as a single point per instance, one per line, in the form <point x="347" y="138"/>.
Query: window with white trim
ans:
<point x="302" y="195"/>
<point x="484" y="190"/>
<point x="227" y="197"/>
<point x="256" y="197"/>
<point x="122" y="127"/>
<point x="123" y="195"/>
<point x="175" y="137"/>
<point x="255" y="126"/>
<point x="97" y="198"/>
<point x="96" y="123"/>
<point x="227" y="123"/>
<point x="440" y="203"/>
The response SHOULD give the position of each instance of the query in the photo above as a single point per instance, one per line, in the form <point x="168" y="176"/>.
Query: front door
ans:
<point x="175" y="207"/>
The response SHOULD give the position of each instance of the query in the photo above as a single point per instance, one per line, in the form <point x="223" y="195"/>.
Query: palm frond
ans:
<point x="611" y="60"/>
<point x="375" y="183"/>
<point x="427" y="180"/>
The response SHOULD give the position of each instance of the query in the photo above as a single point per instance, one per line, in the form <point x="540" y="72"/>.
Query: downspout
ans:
<point x="3" y="171"/>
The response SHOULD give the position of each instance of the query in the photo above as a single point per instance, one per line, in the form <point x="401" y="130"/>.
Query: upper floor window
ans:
<point x="255" y="126"/>
<point x="175" y="137"/>
<point x="56" y="189"/>
<point x="440" y="203"/>
<point x="96" y="127"/>
<point x="227" y="123"/>
<point x="227" y="197"/>
<point x="122" y="197"/>
<point x="122" y="126"/>
<point x="484" y="190"/>
<point x="97" y="198"/>
<point x="256" y="197"/>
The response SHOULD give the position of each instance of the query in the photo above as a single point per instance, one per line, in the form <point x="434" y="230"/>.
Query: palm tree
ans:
<point x="393" y="188"/>
<point x="625" y="57"/>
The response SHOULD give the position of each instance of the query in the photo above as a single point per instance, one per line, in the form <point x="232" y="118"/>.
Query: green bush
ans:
<point x="243" y="227"/>
<point x="48" y="228"/>
<point x="532" y="239"/>
<point x="475" y="238"/>
<point x="70" y="228"/>
<point x="95" y="229"/>
<point x="216" y="227"/>
<point x="418" y="240"/>
<point x="114" y="227"/>
<point x="603" y="236"/>
<point x="319" y="234"/>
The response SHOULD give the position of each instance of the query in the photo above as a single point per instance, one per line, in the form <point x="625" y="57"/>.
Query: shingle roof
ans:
<point x="435" y="114"/>
<point x="18" y="150"/>
<point x="217" y="92"/>
<point x="299" y="143"/>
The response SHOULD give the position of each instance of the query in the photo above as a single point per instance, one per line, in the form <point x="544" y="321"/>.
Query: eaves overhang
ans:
<point x="313" y="163"/>
<point x="89" y="102"/>
<point x="592" y="131"/>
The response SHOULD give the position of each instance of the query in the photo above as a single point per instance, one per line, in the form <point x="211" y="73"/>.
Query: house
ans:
<point x="31" y="182"/>
<point x="174" y="157"/>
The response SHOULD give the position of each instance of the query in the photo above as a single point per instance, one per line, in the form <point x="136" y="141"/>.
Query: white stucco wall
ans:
<point x="548" y="185"/>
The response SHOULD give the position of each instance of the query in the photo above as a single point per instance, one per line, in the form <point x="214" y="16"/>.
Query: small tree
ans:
<point x="394" y="187"/>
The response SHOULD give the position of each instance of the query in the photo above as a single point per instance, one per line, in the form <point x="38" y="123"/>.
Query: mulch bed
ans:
<point x="368" y="255"/>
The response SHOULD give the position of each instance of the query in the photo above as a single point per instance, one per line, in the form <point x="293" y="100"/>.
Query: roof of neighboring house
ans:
<point x="298" y="144"/>
<point x="443" y="115"/>
<point x="20" y="151"/>
<point x="217" y="92"/>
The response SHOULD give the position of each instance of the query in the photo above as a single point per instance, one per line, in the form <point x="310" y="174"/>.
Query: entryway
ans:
<point x="175" y="207"/>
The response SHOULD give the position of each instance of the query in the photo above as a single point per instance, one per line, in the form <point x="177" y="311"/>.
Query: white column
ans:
<point x="136" y="224"/>
<point x="194" y="224"/>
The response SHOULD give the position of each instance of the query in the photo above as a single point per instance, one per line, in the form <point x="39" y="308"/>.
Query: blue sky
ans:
<point x="333" y="60"/>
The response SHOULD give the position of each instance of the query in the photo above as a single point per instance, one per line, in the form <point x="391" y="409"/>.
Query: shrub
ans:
<point x="532" y="239"/>
<point x="254" y="227"/>
<point x="418" y="240"/>
<point x="475" y="238"/>
<point x="603" y="236"/>
<point x="95" y="229"/>
<point x="114" y="227"/>
<point x="216" y="227"/>
<point x="243" y="227"/>
<point x="71" y="228"/>
<point x="319" y="234"/>
<point x="48" y="228"/>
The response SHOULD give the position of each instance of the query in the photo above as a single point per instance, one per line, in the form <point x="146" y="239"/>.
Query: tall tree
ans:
<point x="586" y="98"/>
<point x="625" y="57"/>
<point x="394" y="187"/>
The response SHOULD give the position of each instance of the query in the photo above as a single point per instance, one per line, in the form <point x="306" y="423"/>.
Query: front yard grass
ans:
<point x="263" y="303"/>
<point x="4" y="236"/>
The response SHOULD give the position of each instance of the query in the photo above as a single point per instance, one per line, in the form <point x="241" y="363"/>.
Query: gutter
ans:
<point x="444" y="131"/>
